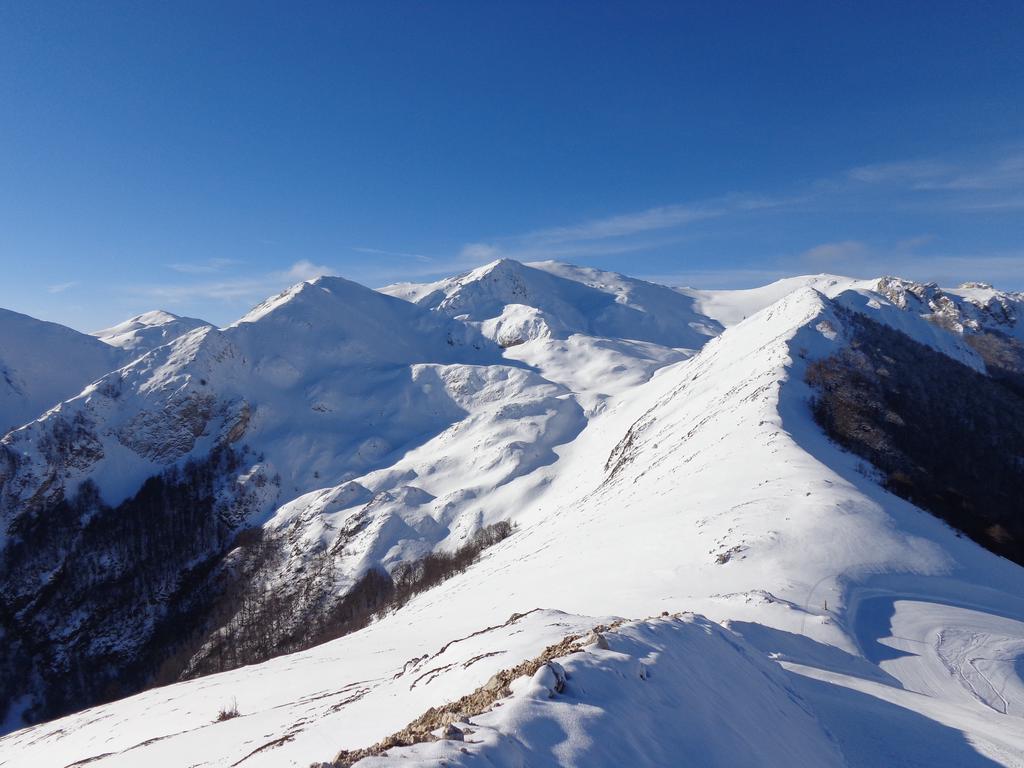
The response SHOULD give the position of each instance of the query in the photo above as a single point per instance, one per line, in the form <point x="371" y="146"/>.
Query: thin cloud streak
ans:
<point x="203" y="268"/>
<point x="394" y="254"/>
<point x="617" y="234"/>
<point x="237" y="289"/>
<point x="904" y="259"/>
<point x="657" y="218"/>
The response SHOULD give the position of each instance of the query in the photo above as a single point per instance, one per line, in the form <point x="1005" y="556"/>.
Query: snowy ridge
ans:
<point x="858" y="630"/>
<point x="517" y="302"/>
<point x="212" y="386"/>
<point x="43" y="363"/>
<point x="631" y="685"/>
<point x="147" y="331"/>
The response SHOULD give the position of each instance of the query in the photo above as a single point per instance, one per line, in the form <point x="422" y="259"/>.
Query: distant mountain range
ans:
<point x="534" y="514"/>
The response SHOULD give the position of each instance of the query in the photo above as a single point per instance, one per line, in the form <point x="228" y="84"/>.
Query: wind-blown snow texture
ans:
<point x="655" y="449"/>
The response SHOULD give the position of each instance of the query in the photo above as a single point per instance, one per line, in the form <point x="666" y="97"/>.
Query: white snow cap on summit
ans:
<point x="148" y="331"/>
<point x="566" y="300"/>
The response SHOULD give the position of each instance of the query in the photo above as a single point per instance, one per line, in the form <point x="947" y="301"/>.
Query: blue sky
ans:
<point x="198" y="156"/>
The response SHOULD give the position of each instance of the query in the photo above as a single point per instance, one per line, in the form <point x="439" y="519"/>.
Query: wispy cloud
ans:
<point x="61" y="287"/>
<point x="993" y="184"/>
<point x="235" y="289"/>
<point x="1004" y="173"/>
<point x="627" y="224"/>
<point x="664" y="217"/>
<point x="828" y="256"/>
<point x="393" y="254"/>
<point x="918" y="258"/>
<point x="207" y="267"/>
<point x="910" y="171"/>
<point x="618" y="233"/>
<point x="304" y="270"/>
<point x="725" y="278"/>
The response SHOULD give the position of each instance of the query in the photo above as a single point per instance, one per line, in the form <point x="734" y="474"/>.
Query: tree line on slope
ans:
<point x="944" y="436"/>
<point x="98" y="602"/>
<point x="254" y="621"/>
<point x="92" y="596"/>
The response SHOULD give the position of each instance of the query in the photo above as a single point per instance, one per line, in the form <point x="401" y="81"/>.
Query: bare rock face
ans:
<point x="165" y="435"/>
<point x="972" y="308"/>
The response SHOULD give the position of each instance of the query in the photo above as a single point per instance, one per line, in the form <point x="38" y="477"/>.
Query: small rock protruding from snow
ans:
<point x="548" y="681"/>
<point x="597" y="640"/>
<point x="452" y="732"/>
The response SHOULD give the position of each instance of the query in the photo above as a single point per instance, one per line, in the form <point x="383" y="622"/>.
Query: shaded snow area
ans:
<point x="43" y="363"/>
<point x="654" y="449"/>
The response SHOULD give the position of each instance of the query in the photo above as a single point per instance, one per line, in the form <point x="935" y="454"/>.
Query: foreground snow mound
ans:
<point x="669" y="691"/>
<point x="147" y="331"/>
<point x="541" y="688"/>
<point x="44" y="363"/>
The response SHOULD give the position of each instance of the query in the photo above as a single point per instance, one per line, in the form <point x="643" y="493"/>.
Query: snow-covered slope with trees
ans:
<point x="684" y="473"/>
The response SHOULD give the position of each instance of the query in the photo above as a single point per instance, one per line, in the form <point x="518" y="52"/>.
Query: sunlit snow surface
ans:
<point x="853" y="629"/>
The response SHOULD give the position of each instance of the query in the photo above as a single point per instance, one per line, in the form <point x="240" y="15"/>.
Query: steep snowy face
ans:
<point x="44" y="363"/>
<point x="518" y="302"/>
<point x="147" y="331"/>
<point x="313" y="377"/>
<point x="335" y="322"/>
<point x="597" y="333"/>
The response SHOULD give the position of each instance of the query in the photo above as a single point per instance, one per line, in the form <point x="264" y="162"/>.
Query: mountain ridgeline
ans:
<point x="211" y="498"/>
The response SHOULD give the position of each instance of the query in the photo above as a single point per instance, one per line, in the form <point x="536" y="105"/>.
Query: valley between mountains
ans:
<point x="534" y="514"/>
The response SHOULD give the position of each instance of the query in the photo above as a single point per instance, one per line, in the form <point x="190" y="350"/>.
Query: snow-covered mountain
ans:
<point x="516" y="302"/>
<point x="43" y="363"/>
<point x="661" y="455"/>
<point x="147" y="331"/>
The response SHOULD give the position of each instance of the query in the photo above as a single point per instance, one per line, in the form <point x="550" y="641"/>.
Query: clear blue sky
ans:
<point x="196" y="156"/>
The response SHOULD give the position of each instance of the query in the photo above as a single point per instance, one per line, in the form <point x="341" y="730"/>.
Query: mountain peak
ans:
<point x="563" y="300"/>
<point x="149" y="330"/>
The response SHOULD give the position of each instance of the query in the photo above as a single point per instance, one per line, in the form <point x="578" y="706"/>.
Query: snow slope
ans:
<point x="43" y="363"/>
<point x="704" y="485"/>
<point x="597" y="333"/>
<point x="147" y="331"/>
<point x="522" y="301"/>
<point x="320" y="376"/>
